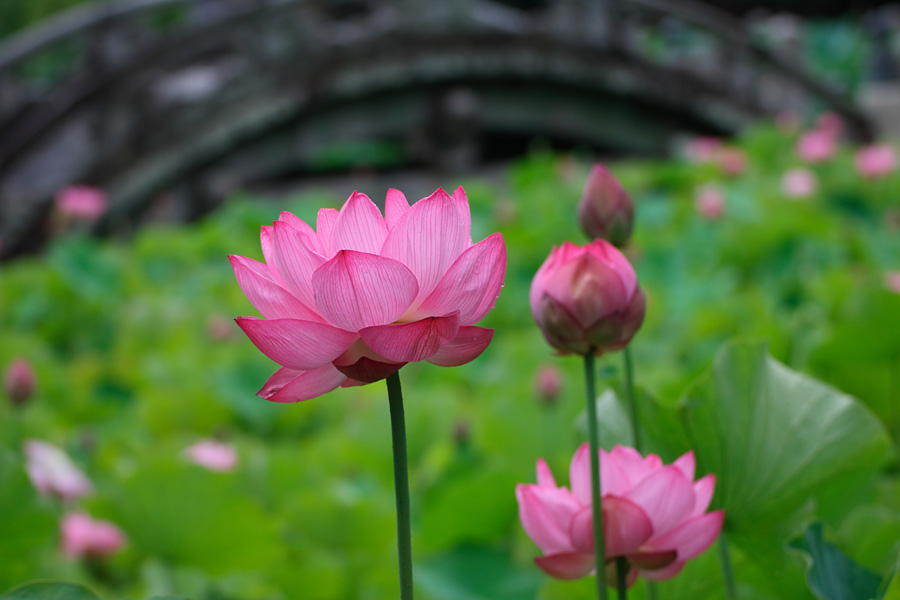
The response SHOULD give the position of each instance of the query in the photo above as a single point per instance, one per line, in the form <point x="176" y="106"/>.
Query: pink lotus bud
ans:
<point x="52" y="472"/>
<point x="83" y="536"/>
<point x="787" y="122"/>
<point x="548" y="383"/>
<point x="702" y="149"/>
<point x="654" y="515"/>
<point x="606" y="210"/>
<point x="876" y="161"/>
<point x="81" y="202"/>
<point x="212" y="455"/>
<point x="830" y="123"/>
<point x="19" y="381"/>
<point x="731" y="160"/>
<point x="892" y="281"/>
<point x="587" y="299"/>
<point x="710" y="202"/>
<point x="798" y="183"/>
<point x="816" y="146"/>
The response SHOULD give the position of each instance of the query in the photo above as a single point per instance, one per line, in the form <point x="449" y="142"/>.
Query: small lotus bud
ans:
<point x="83" y="536"/>
<point x="606" y="211"/>
<point x="587" y="299"/>
<point x="212" y="455"/>
<point x="798" y="183"/>
<point x="81" y="203"/>
<point x="548" y="383"/>
<point x="710" y="202"/>
<point x="19" y="381"/>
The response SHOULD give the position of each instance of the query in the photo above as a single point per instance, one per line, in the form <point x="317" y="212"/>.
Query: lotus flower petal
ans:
<point x="666" y="495"/>
<point x="566" y="565"/>
<point x="468" y="345"/>
<point x="269" y="298"/>
<point x="297" y="344"/>
<point x="289" y="385"/>
<point x="296" y="261"/>
<point x="359" y="226"/>
<point x="355" y="290"/>
<point x="395" y="206"/>
<point x="472" y="284"/>
<point x="411" y="342"/>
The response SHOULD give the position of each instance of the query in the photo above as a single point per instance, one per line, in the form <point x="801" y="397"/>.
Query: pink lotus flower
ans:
<point x="702" y="149"/>
<point x="731" y="160"/>
<point x="892" y="281"/>
<point x="52" y="472"/>
<point x="548" y="384"/>
<point x="19" y="381"/>
<point x="710" y="202"/>
<point x="606" y="210"/>
<point x="831" y="123"/>
<point x="355" y="300"/>
<point x="876" y="161"/>
<point x="84" y="536"/>
<point x="81" y="202"/>
<point x="816" y="146"/>
<point x="654" y="515"/>
<point x="587" y="299"/>
<point x="798" y="183"/>
<point x="212" y="455"/>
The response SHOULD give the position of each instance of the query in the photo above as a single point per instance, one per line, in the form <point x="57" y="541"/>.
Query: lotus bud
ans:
<point x="606" y="210"/>
<point x="19" y="382"/>
<point x="587" y="299"/>
<point x="548" y="384"/>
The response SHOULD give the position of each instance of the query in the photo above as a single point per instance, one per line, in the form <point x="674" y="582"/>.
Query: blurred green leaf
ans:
<point x="831" y="575"/>
<point x="50" y="590"/>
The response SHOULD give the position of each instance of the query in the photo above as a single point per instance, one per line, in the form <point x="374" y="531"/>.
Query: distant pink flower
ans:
<point x="654" y="515"/>
<point x="710" y="203"/>
<point x="212" y="455"/>
<point x="830" y="123"/>
<point x="84" y="536"/>
<point x="892" y="281"/>
<point x="816" y="146"/>
<point x="876" y="161"/>
<point x="548" y="383"/>
<point x="52" y="472"/>
<point x="81" y="202"/>
<point x="702" y="149"/>
<point x="731" y="160"/>
<point x="362" y="295"/>
<point x="587" y="299"/>
<point x="798" y="183"/>
<point x="19" y="381"/>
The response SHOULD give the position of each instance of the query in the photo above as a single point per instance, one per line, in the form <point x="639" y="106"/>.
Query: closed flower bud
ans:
<point x="548" y="384"/>
<point x="586" y="299"/>
<point x="606" y="210"/>
<point x="19" y="382"/>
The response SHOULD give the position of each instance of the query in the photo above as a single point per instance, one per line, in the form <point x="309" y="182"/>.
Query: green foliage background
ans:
<point x="137" y="358"/>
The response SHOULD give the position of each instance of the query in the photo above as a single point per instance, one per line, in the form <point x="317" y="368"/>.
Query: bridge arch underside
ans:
<point x="223" y="120"/>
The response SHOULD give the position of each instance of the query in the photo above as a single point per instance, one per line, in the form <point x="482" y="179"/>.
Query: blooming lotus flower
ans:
<point x="606" y="210"/>
<point x="875" y="161"/>
<point x="587" y="299"/>
<point x="81" y="202"/>
<point x="710" y="203"/>
<point x="354" y="300"/>
<point x="798" y="183"/>
<point x="816" y="146"/>
<point x="19" y="381"/>
<point x="654" y="515"/>
<point x="212" y="455"/>
<point x="84" y="536"/>
<point x="52" y="472"/>
<point x="731" y="160"/>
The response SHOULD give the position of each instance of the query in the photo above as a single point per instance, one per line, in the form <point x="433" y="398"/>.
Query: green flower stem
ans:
<point x="622" y="577"/>
<point x="599" y="554"/>
<point x="632" y="399"/>
<point x="727" y="572"/>
<point x="635" y="429"/>
<point x="401" y="486"/>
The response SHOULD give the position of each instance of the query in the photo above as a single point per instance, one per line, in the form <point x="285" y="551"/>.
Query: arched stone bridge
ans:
<point x="143" y="96"/>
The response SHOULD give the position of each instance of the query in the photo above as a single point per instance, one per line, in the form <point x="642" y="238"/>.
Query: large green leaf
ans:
<point x="50" y="590"/>
<point x="831" y="574"/>
<point x="774" y="437"/>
